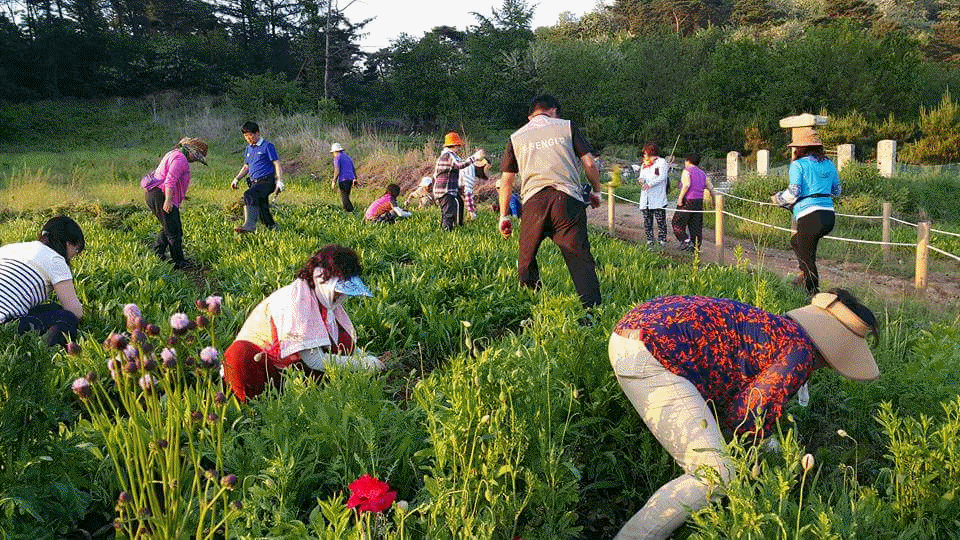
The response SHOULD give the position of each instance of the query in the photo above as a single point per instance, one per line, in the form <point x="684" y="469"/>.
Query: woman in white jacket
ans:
<point x="653" y="198"/>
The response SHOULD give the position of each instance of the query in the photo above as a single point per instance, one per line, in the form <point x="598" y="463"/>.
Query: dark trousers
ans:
<point x="810" y="229"/>
<point x="345" y="188"/>
<point x="451" y="211"/>
<point x="661" y="215"/>
<point x="689" y="225"/>
<point x="562" y="218"/>
<point x="171" y="228"/>
<point x="259" y="195"/>
<point x="51" y="321"/>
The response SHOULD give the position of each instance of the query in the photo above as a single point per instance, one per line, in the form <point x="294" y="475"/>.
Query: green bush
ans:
<point x="264" y="94"/>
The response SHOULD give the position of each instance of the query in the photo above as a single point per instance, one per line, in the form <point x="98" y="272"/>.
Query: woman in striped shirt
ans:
<point x="29" y="271"/>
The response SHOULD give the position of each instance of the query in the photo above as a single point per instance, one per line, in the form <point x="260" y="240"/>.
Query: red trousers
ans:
<point x="247" y="377"/>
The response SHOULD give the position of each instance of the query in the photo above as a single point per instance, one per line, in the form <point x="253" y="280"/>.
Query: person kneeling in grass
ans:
<point x="385" y="209"/>
<point x="302" y="325"/>
<point x="672" y="355"/>
<point x="30" y="271"/>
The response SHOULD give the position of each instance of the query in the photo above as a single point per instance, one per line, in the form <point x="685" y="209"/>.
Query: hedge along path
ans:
<point x="943" y="290"/>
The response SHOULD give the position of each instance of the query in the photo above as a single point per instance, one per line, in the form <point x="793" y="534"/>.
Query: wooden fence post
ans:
<point x="923" y="243"/>
<point x="718" y="226"/>
<point x="887" y="212"/>
<point x="610" y="209"/>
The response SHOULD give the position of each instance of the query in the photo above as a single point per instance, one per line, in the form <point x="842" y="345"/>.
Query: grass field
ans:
<point x="497" y="417"/>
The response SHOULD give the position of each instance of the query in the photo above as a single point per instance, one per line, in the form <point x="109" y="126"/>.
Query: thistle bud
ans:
<point x="201" y="321"/>
<point x="81" y="387"/>
<point x="152" y="329"/>
<point x="229" y="481"/>
<point x="73" y="348"/>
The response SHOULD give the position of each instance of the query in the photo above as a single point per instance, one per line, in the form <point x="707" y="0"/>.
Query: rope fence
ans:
<point x="922" y="244"/>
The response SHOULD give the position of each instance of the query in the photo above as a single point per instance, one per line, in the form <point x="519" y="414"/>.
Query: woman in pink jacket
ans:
<point x="166" y="188"/>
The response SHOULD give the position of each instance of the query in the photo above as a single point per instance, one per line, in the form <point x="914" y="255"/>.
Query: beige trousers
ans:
<point x="677" y="415"/>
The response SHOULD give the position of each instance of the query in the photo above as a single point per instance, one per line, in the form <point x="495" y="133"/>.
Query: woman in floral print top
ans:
<point x="673" y="355"/>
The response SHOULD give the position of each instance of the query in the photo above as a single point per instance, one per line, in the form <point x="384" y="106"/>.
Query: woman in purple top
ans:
<point x="689" y="215"/>
<point x="166" y="188"/>
<point x="673" y="355"/>
<point x="344" y="174"/>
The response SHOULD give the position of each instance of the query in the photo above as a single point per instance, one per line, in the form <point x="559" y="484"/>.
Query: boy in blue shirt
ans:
<point x="262" y="164"/>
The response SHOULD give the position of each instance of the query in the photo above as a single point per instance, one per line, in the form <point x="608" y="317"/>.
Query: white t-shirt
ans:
<point x="28" y="272"/>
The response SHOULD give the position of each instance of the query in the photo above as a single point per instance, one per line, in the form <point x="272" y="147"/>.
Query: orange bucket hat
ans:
<point x="452" y="139"/>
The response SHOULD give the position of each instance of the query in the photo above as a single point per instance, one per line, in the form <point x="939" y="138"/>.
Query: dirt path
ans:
<point x="943" y="292"/>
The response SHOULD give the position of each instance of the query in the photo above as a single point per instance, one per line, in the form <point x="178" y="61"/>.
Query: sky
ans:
<point x="416" y="17"/>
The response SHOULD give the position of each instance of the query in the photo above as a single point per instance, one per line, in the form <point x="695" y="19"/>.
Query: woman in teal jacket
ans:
<point x="814" y="182"/>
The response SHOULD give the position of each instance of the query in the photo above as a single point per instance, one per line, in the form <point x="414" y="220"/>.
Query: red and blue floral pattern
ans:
<point x="740" y="357"/>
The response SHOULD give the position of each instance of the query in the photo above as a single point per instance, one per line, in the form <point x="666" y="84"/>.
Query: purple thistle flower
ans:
<point x="116" y="341"/>
<point x="162" y="444"/>
<point x="237" y="505"/>
<point x="169" y="357"/>
<point x="214" y="304"/>
<point x="131" y="367"/>
<point x="73" y="348"/>
<point x="201" y="321"/>
<point x="123" y="498"/>
<point x="229" y="481"/>
<point x="220" y="398"/>
<point x="212" y="416"/>
<point x="91" y="376"/>
<point x="130" y="352"/>
<point x="179" y="323"/>
<point x="135" y="323"/>
<point x="196" y="416"/>
<point x="81" y="387"/>
<point x="201" y="305"/>
<point x="146" y="347"/>
<point x="149" y="364"/>
<point x="146" y="382"/>
<point x="152" y="329"/>
<point x="137" y="336"/>
<point x="209" y="356"/>
<point x="131" y="310"/>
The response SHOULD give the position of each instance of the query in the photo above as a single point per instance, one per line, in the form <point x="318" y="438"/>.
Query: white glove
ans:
<point x="372" y="362"/>
<point x="280" y="187"/>
<point x="234" y="183"/>
<point x="479" y="154"/>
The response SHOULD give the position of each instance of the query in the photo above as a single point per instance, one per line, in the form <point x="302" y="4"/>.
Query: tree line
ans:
<point x="715" y="73"/>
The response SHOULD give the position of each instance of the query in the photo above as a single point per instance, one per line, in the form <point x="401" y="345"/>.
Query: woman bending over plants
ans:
<point x="302" y="325"/>
<point x="672" y="355"/>
<point x="29" y="271"/>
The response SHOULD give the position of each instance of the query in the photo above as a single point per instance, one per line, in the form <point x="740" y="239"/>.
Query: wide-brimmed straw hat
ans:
<point x="840" y="336"/>
<point x="196" y="147"/>
<point x="805" y="137"/>
<point x="336" y="147"/>
<point x="452" y="139"/>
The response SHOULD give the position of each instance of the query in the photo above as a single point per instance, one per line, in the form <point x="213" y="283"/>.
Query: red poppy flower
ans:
<point x="370" y="495"/>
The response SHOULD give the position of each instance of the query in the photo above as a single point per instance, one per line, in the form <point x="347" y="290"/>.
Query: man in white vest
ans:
<point x="547" y="154"/>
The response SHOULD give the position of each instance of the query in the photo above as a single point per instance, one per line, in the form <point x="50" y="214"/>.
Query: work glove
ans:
<point x="479" y="154"/>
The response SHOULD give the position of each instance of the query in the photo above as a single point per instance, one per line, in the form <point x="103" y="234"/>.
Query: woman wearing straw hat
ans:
<point x="166" y="188"/>
<point x="672" y="355"/>
<point x="814" y="182"/>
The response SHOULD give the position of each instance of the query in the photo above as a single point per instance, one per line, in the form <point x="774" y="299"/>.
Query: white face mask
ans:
<point x="325" y="290"/>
